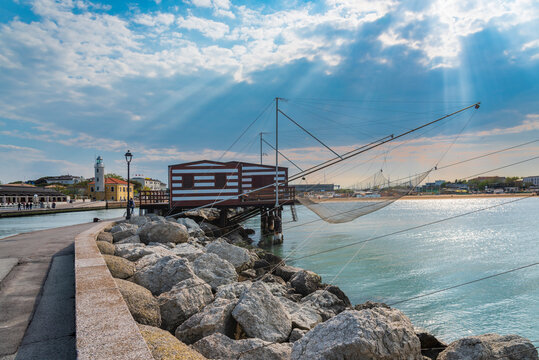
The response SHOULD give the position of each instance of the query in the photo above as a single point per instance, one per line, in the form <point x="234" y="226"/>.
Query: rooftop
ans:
<point x="112" y="181"/>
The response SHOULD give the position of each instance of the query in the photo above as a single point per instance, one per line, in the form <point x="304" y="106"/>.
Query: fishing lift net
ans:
<point x="370" y="195"/>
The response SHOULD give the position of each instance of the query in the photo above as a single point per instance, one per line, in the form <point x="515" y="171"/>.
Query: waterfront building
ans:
<point x="15" y="193"/>
<point x="152" y="184"/>
<point x="302" y="188"/>
<point x="531" y="180"/>
<point x="109" y="189"/>
<point x="62" y="179"/>
<point x="113" y="190"/>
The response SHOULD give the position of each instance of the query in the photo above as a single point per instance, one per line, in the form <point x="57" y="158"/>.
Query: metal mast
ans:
<point x="260" y="148"/>
<point x="276" y="152"/>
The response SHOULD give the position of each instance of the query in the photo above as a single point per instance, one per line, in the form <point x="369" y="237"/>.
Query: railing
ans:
<point x="286" y="193"/>
<point x="148" y="197"/>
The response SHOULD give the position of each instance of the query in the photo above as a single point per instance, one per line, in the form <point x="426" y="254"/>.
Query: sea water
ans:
<point x="22" y="224"/>
<point x="416" y="262"/>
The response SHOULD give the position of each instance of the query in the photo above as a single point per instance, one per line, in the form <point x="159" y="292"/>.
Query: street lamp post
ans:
<point x="128" y="158"/>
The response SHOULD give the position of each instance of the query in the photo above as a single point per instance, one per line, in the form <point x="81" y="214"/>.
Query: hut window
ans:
<point x="220" y="181"/>
<point x="112" y="189"/>
<point x="92" y="189"/>
<point x="187" y="181"/>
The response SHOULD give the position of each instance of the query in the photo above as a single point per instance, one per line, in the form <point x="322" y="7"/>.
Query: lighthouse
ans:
<point x="99" y="175"/>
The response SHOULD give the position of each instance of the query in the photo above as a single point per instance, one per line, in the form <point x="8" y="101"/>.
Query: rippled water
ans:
<point x="420" y="261"/>
<point x="16" y="225"/>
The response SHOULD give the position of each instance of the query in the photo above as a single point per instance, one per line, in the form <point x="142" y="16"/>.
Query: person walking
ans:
<point x="19" y="206"/>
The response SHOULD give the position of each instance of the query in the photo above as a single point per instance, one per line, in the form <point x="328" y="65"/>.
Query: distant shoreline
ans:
<point x="434" y="197"/>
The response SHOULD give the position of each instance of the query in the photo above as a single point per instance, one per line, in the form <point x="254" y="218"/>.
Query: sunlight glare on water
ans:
<point x="434" y="257"/>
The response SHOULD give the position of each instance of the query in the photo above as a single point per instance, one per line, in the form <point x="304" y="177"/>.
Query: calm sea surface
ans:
<point x="420" y="261"/>
<point x="412" y="263"/>
<point x="16" y="225"/>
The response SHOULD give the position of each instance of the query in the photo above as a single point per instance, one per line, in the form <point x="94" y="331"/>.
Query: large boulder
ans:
<point x="119" y="267"/>
<point x="262" y="315"/>
<point x="105" y="247"/>
<point x="214" y="270"/>
<point x="286" y="271"/>
<point x="490" y="346"/>
<point x="163" y="232"/>
<point x="302" y="316"/>
<point x="430" y="345"/>
<point x="237" y="256"/>
<point x="192" y="227"/>
<point x="214" y="318"/>
<point x="162" y="275"/>
<point x="305" y="282"/>
<point x="133" y="239"/>
<point x="131" y="252"/>
<point x="139" y="220"/>
<point x="218" y="346"/>
<point x="206" y="214"/>
<point x="185" y="299"/>
<point x="379" y="333"/>
<point x="211" y="230"/>
<point x="233" y="291"/>
<point x="324" y="303"/>
<point x="164" y="346"/>
<point x="122" y="227"/>
<point x="120" y="235"/>
<point x="141" y="303"/>
<point x="187" y="251"/>
<point x="105" y="236"/>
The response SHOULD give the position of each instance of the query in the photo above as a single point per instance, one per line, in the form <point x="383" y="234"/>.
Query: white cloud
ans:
<point x="438" y="30"/>
<point x="209" y="28"/>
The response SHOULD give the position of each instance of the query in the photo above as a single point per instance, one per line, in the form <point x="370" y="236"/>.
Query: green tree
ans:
<point x="116" y="176"/>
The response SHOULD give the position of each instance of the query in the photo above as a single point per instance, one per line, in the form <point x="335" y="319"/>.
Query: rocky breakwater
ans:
<point x="199" y="291"/>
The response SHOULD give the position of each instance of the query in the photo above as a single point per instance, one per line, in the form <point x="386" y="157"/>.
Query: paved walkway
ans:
<point x="37" y="291"/>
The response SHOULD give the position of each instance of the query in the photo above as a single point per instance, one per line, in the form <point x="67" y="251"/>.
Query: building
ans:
<point x="152" y="184"/>
<point x="110" y="189"/>
<point x="302" y="188"/>
<point x="15" y="193"/>
<point x="113" y="190"/>
<point x="531" y="180"/>
<point x="229" y="183"/>
<point x="62" y="179"/>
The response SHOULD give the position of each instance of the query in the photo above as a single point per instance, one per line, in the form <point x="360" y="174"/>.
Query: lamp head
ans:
<point x="128" y="156"/>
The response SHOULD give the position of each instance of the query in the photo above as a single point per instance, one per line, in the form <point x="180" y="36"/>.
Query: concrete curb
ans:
<point x="105" y="327"/>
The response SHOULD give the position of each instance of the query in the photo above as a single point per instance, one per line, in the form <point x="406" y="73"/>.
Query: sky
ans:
<point x="181" y="80"/>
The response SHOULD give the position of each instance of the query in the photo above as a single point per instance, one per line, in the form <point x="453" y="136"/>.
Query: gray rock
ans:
<point x="155" y="217"/>
<point x="214" y="318"/>
<point x="214" y="270"/>
<point x="187" y="251"/>
<point x="142" y="305"/>
<point x="430" y="346"/>
<point x="104" y="236"/>
<point x="233" y="291"/>
<point x="303" y="316"/>
<point x="131" y="252"/>
<point x="133" y="239"/>
<point x="139" y="220"/>
<point x="185" y="299"/>
<point x="192" y="227"/>
<point x="286" y="272"/>
<point x="211" y="230"/>
<point x="490" y="346"/>
<point x="162" y="275"/>
<point x="262" y="315"/>
<point x="305" y="282"/>
<point x="296" y="334"/>
<point x="325" y="303"/>
<point x="163" y="232"/>
<point x="379" y="333"/>
<point x="218" y="346"/>
<point x="237" y="256"/>
<point x="147" y="260"/>
<point x="120" y="235"/>
<point x="206" y="214"/>
<point x="122" y="227"/>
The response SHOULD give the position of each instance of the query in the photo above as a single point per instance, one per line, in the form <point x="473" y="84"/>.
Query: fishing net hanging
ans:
<point x="371" y="195"/>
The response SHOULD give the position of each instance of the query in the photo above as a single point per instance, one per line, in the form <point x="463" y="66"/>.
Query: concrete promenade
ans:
<point x="37" y="294"/>
<point x="61" y="208"/>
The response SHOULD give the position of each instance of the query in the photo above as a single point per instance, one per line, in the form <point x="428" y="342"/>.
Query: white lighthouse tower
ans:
<point x="99" y="175"/>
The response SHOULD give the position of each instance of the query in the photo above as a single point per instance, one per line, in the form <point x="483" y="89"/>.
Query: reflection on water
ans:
<point x="16" y="225"/>
<point x="412" y="263"/>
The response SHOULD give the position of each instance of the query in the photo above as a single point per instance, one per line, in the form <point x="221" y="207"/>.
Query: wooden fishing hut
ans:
<point x="247" y="187"/>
